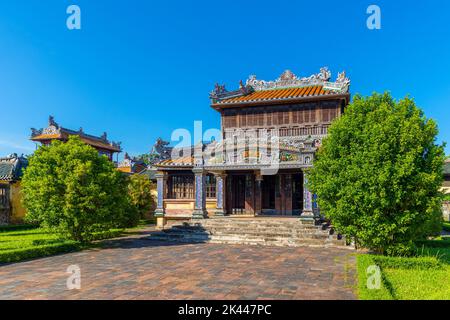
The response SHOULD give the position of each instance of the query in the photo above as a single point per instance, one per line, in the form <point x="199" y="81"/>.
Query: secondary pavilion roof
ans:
<point x="55" y="131"/>
<point x="287" y="88"/>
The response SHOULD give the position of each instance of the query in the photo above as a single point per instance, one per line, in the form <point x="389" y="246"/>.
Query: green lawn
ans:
<point x="23" y="242"/>
<point x="425" y="277"/>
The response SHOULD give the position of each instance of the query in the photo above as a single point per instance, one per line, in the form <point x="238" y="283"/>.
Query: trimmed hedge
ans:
<point x="47" y="247"/>
<point x="17" y="227"/>
<point x="446" y="226"/>
<point x="432" y="263"/>
<point x="421" y="263"/>
<point x="364" y="293"/>
<point x="38" y="251"/>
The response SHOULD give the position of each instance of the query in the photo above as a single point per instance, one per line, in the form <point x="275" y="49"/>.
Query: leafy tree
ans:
<point x="71" y="188"/>
<point x="140" y="192"/>
<point x="378" y="174"/>
<point x="145" y="157"/>
<point x="149" y="158"/>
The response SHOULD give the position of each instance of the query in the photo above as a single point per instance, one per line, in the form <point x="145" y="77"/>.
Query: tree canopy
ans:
<point x="378" y="174"/>
<point x="68" y="186"/>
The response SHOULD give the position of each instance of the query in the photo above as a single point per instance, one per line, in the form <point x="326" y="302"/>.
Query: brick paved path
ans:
<point x="141" y="269"/>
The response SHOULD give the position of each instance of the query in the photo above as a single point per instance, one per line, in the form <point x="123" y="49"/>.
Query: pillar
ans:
<point x="307" y="214"/>
<point x="220" y="194"/>
<point x="278" y="199"/>
<point x="258" y="193"/>
<point x="249" y="194"/>
<point x="161" y="180"/>
<point x="288" y="194"/>
<point x="200" y="194"/>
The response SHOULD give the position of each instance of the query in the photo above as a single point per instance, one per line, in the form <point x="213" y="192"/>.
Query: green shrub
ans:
<point x="378" y="174"/>
<point x="71" y="189"/>
<point x="140" y="193"/>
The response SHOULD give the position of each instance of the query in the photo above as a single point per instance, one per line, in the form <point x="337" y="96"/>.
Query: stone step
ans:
<point x="230" y="239"/>
<point x="252" y="236"/>
<point x="249" y="229"/>
<point x="258" y="231"/>
<point x="267" y="232"/>
<point x="249" y="225"/>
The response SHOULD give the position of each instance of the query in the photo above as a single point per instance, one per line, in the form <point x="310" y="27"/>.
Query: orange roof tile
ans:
<point x="46" y="137"/>
<point x="99" y="144"/>
<point x="278" y="95"/>
<point x="177" y="162"/>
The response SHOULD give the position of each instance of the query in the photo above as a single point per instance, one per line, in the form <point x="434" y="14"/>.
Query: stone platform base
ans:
<point x="251" y="231"/>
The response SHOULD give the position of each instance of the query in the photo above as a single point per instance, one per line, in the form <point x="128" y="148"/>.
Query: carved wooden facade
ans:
<point x="271" y="131"/>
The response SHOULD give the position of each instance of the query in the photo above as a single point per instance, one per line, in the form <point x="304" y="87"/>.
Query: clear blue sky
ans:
<point x="140" y="69"/>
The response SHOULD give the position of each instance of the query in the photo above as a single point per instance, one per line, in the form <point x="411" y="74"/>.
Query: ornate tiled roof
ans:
<point x="288" y="87"/>
<point x="11" y="167"/>
<point x="55" y="131"/>
<point x="187" y="161"/>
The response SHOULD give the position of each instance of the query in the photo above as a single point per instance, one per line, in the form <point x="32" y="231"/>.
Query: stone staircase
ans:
<point x="251" y="231"/>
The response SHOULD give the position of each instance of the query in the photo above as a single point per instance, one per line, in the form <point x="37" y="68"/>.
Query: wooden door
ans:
<point x="238" y="194"/>
<point x="5" y="209"/>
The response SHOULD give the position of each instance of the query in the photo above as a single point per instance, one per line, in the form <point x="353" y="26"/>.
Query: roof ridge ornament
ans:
<point x="52" y="122"/>
<point x="288" y="79"/>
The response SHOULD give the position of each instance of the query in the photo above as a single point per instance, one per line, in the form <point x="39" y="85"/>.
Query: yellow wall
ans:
<point x="18" y="210"/>
<point x="15" y="196"/>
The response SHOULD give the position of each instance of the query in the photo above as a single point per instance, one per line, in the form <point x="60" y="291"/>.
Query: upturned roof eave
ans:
<point x="219" y="106"/>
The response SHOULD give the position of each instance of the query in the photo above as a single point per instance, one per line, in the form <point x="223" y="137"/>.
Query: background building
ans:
<point x="11" y="209"/>
<point x="55" y="132"/>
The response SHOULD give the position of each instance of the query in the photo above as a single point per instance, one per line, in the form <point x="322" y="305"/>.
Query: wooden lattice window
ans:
<point x="269" y="118"/>
<point x="181" y="187"/>
<point x="210" y="186"/>
<point x="329" y="114"/>
<point x="243" y="119"/>
<point x="229" y="121"/>
<point x="4" y="196"/>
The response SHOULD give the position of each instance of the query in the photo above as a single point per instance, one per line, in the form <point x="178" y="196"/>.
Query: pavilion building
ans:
<point x="270" y="133"/>
<point x="55" y="132"/>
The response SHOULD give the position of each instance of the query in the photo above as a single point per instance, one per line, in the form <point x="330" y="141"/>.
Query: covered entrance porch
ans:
<point x="248" y="193"/>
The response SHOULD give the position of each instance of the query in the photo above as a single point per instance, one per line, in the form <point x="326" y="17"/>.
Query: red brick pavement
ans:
<point x="141" y="269"/>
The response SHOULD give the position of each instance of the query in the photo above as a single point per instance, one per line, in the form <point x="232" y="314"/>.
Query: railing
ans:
<point x="321" y="130"/>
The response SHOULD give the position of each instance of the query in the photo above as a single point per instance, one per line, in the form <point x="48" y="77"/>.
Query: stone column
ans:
<point x="220" y="194"/>
<point x="249" y="194"/>
<point x="278" y="198"/>
<point x="307" y="214"/>
<point x="161" y="179"/>
<point x="200" y="194"/>
<point x="258" y="193"/>
<point x="288" y="194"/>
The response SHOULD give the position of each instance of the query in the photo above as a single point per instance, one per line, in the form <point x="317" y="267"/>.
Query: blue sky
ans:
<point x="140" y="69"/>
